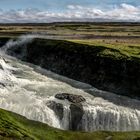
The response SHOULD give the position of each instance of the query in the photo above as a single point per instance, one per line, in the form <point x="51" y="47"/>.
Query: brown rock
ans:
<point x="70" y="97"/>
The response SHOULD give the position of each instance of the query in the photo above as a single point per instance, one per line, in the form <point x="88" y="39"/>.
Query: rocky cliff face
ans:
<point x="84" y="63"/>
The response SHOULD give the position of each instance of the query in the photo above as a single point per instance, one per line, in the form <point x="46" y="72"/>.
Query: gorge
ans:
<point x="31" y="91"/>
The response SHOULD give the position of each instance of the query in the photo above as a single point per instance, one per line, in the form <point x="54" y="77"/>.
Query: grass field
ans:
<point x="16" y="127"/>
<point x="114" y="48"/>
<point x="104" y="29"/>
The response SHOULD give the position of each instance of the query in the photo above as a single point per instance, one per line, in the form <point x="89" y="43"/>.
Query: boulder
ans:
<point x="57" y="108"/>
<point x="70" y="97"/>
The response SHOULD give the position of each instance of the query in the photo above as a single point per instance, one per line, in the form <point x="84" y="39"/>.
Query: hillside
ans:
<point x="16" y="127"/>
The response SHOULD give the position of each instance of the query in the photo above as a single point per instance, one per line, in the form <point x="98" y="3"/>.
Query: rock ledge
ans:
<point x="70" y="97"/>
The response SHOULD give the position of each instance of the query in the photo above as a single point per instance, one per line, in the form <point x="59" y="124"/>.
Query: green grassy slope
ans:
<point x="115" y="49"/>
<point x="16" y="127"/>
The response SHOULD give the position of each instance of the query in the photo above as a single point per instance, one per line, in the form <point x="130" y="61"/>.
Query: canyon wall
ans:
<point x="85" y="63"/>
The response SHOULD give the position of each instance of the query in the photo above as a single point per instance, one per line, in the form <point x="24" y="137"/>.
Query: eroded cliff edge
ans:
<point x="104" y="68"/>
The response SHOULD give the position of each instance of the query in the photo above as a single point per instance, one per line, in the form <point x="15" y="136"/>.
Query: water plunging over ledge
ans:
<point x="28" y="89"/>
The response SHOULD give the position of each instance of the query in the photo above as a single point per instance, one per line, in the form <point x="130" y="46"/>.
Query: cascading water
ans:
<point x="27" y="92"/>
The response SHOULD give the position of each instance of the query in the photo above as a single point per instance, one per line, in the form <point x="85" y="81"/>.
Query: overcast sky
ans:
<point x="69" y="10"/>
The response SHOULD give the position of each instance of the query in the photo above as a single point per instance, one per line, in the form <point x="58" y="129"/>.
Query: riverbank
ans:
<point x="13" y="126"/>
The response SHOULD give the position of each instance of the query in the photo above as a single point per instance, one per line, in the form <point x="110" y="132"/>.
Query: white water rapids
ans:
<point x="26" y="89"/>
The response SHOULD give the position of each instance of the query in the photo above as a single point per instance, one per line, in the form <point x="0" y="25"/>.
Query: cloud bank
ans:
<point x="123" y="12"/>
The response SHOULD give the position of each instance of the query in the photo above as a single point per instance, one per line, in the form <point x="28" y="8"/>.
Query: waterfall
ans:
<point x="115" y="119"/>
<point x="27" y="92"/>
<point x="66" y="118"/>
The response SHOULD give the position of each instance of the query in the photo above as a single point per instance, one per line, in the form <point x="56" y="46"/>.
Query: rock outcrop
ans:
<point x="57" y="108"/>
<point x="70" y="97"/>
<point x="77" y="113"/>
<point x="75" y="109"/>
